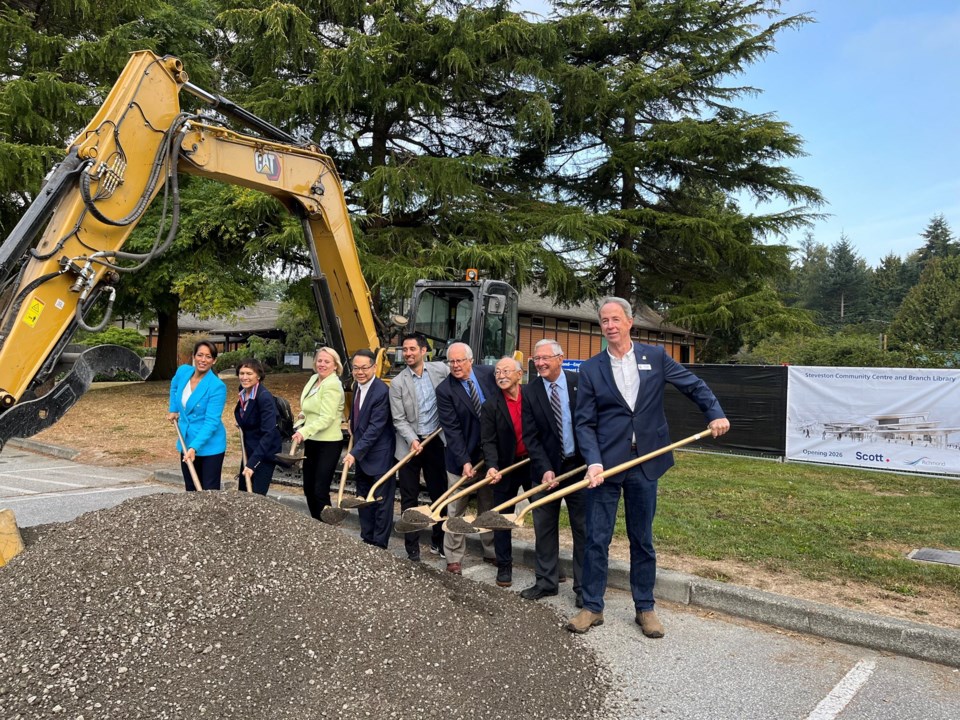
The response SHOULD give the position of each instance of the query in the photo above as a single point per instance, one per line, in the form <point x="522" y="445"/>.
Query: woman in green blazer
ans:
<point x="321" y="403"/>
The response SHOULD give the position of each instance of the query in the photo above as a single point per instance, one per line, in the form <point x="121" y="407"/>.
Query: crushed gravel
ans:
<point x="229" y="605"/>
<point x="493" y="520"/>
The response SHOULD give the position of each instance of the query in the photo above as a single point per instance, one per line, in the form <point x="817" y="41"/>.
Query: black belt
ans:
<point x="633" y="447"/>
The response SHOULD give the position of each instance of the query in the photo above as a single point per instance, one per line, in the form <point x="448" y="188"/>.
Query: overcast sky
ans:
<point x="873" y="88"/>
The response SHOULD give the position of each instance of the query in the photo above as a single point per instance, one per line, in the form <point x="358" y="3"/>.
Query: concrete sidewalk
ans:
<point x="915" y="640"/>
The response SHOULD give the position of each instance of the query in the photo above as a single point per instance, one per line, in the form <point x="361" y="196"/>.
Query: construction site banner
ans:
<point x="904" y="420"/>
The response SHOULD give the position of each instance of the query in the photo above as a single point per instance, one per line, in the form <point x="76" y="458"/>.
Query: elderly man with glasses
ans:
<point x="549" y="403"/>
<point x="459" y="399"/>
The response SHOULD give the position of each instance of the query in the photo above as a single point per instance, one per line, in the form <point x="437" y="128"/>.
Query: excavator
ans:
<point x="60" y="265"/>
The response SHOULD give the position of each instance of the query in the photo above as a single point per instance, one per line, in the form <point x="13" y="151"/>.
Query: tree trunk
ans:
<point x="168" y="337"/>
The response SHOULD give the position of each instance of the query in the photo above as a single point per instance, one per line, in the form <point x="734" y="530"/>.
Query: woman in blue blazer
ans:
<point x="197" y="399"/>
<point x="256" y="415"/>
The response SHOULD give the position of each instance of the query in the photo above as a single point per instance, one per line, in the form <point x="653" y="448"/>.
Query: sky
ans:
<point x="873" y="88"/>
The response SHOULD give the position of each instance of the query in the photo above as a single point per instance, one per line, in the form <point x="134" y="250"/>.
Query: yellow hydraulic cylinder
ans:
<point x="10" y="541"/>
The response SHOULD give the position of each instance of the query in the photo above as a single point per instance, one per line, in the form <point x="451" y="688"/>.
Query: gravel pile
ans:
<point x="226" y="605"/>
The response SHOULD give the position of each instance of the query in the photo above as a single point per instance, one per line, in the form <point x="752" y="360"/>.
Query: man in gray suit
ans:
<point x="413" y="403"/>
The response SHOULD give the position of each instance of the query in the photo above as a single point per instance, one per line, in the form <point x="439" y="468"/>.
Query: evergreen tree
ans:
<point x="422" y="106"/>
<point x="648" y="133"/>
<point x="808" y="274"/>
<point x="929" y="316"/>
<point x="940" y="242"/>
<point x="891" y="282"/>
<point x="844" y="297"/>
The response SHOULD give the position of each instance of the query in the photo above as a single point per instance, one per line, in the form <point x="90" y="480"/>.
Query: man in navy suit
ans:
<point x="619" y="417"/>
<point x="373" y="445"/>
<point x="459" y="399"/>
<point x="549" y="402"/>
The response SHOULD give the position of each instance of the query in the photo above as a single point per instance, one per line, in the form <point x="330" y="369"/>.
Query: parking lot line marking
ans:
<point x="38" y="469"/>
<point x="58" y="482"/>
<point x="98" y="477"/>
<point x="844" y="691"/>
<point x="19" y="491"/>
<point x="92" y="491"/>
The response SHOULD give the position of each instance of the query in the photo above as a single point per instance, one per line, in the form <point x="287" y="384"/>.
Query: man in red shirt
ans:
<point x="501" y="438"/>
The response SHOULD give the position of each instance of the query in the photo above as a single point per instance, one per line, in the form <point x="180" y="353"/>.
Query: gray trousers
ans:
<point x="546" y="525"/>
<point x="455" y="546"/>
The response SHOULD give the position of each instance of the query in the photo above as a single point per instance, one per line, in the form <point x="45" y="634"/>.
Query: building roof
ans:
<point x="644" y="317"/>
<point x="259" y="317"/>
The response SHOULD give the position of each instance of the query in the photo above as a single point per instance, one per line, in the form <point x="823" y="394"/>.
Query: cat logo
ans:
<point x="268" y="163"/>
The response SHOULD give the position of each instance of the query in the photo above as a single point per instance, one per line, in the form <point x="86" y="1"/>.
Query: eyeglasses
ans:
<point x="458" y="362"/>
<point x="505" y="373"/>
<point x="356" y="368"/>
<point x="203" y="357"/>
<point x="541" y="358"/>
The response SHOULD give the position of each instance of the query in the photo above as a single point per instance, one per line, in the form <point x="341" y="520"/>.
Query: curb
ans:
<point x="901" y="637"/>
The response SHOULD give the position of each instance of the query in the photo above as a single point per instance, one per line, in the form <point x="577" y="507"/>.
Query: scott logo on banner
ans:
<point x="871" y="457"/>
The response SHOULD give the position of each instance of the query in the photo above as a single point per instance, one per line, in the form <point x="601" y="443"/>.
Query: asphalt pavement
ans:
<point x="48" y="481"/>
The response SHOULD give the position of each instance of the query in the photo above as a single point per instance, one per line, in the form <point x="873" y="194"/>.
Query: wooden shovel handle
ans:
<point x="441" y="501"/>
<point x="403" y="461"/>
<point x="190" y="467"/>
<point x="243" y="456"/>
<point x="343" y="474"/>
<point x="534" y="490"/>
<point x="563" y="492"/>
<point x="477" y="485"/>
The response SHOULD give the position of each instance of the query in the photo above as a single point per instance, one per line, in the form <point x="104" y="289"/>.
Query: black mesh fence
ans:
<point x="754" y="398"/>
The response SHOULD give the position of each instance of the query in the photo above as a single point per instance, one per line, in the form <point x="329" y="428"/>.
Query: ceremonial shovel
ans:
<point x="357" y="502"/>
<point x="243" y="455"/>
<point x="462" y="526"/>
<point x="335" y="515"/>
<point x="293" y="457"/>
<point x="190" y="467"/>
<point x="509" y="522"/>
<point x="469" y="523"/>
<point x="418" y="518"/>
<point x="420" y="522"/>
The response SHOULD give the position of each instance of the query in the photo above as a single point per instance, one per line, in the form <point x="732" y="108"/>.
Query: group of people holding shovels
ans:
<point x="581" y="437"/>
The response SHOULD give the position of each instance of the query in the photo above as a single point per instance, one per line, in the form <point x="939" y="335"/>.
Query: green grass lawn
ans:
<point x="821" y="522"/>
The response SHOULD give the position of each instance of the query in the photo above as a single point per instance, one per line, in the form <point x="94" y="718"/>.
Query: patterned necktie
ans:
<point x="356" y="404"/>
<point x="557" y="410"/>
<point x="474" y="396"/>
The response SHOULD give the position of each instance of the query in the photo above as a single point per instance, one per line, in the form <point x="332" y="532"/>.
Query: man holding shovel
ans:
<point x="413" y="404"/>
<point x="620" y="416"/>
<point x="549" y="401"/>
<point x="459" y="399"/>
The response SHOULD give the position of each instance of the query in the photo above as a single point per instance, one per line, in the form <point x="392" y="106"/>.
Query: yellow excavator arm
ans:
<point x="66" y="251"/>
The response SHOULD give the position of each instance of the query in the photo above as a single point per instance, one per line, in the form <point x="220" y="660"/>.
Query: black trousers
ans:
<point x="546" y="525"/>
<point x="430" y="463"/>
<point x="505" y="490"/>
<point x="208" y="469"/>
<point x="376" y="520"/>
<point x="260" y="482"/>
<point x="320" y="458"/>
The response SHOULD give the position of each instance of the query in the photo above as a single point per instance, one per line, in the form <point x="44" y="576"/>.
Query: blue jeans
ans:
<point x="640" y="505"/>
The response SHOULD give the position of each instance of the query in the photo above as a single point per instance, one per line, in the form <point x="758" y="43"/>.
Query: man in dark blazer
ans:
<point x="619" y="417"/>
<point x="459" y="399"/>
<point x="373" y="445"/>
<point x="501" y="436"/>
<point x="549" y="402"/>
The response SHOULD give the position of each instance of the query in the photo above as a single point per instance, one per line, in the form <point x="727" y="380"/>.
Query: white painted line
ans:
<point x="57" y="482"/>
<point x="39" y="496"/>
<point x="98" y="477"/>
<point x="844" y="691"/>
<point x="19" y="491"/>
<point x="37" y="469"/>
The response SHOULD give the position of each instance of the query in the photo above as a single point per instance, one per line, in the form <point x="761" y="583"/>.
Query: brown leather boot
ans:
<point x="584" y="620"/>
<point x="649" y="623"/>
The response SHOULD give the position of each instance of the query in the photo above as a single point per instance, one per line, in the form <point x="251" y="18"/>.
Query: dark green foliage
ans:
<point x="126" y="337"/>
<point x="929" y="317"/>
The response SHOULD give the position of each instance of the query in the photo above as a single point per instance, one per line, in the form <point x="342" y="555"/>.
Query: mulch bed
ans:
<point x="225" y="605"/>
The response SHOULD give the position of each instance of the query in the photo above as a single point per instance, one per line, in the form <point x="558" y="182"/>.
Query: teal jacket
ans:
<point x="201" y="421"/>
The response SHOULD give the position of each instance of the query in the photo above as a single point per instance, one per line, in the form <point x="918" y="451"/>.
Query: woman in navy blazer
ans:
<point x="197" y="399"/>
<point x="256" y="415"/>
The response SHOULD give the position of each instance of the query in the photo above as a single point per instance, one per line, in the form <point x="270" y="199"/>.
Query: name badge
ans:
<point x="644" y="366"/>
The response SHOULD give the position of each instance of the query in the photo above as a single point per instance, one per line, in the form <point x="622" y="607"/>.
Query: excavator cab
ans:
<point x="481" y="313"/>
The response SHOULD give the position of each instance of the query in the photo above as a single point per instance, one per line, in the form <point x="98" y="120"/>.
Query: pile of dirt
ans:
<point x="224" y="605"/>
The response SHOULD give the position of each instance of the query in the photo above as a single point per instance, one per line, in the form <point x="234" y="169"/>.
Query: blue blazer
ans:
<point x="605" y="423"/>
<point x="201" y="422"/>
<point x="373" y="436"/>
<point x="461" y="426"/>
<point x="258" y="421"/>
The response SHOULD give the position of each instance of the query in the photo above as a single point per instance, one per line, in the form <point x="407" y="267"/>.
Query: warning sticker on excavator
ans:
<point x="33" y="312"/>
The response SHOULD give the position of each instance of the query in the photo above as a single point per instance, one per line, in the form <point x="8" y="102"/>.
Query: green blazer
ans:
<point x="321" y="403"/>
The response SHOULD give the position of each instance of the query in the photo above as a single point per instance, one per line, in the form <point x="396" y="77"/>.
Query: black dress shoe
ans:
<point x="536" y="592"/>
<point x="505" y="577"/>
